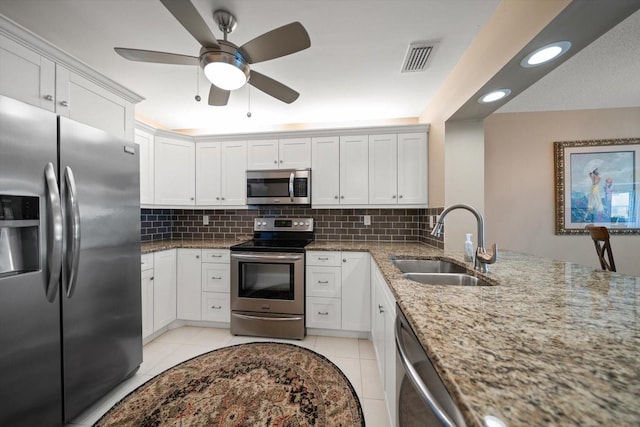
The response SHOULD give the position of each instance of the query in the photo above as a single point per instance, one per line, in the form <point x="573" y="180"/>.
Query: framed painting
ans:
<point x="596" y="183"/>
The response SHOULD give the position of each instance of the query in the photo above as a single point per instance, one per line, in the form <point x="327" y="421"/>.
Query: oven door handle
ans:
<point x="291" y="186"/>
<point x="267" y="257"/>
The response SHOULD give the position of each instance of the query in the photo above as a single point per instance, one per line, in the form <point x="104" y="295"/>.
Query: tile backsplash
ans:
<point x="387" y="225"/>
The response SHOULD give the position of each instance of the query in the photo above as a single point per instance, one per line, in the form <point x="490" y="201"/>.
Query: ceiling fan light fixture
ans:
<point x="226" y="71"/>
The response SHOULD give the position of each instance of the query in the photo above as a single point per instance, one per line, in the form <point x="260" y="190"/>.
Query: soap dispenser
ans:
<point x="468" y="249"/>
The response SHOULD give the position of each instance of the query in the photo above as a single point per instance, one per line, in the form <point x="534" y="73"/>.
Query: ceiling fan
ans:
<point x="226" y="65"/>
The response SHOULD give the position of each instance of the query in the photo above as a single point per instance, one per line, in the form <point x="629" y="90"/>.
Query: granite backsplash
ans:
<point x="387" y="225"/>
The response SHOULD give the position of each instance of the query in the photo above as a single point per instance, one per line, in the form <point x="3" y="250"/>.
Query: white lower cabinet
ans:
<point x="164" y="288"/>
<point x="215" y="278"/>
<point x="189" y="284"/>
<point x="383" y="314"/>
<point x="338" y="290"/>
<point x="147" y="294"/>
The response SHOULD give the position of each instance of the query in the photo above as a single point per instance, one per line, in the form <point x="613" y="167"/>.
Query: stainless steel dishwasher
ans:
<point x="422" y="399"/>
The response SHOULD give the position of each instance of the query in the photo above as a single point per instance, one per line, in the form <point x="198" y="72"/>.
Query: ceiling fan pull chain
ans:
<point x="249" y="108"/>
<point x="198" y="84"/>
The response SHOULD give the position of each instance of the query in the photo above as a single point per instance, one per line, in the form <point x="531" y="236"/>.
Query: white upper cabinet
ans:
<point x="174" y="172"/>
<point x="26" y="75"/>
<point x="145" y="143"/>
<point x="383" y="166"/>
<point x="234" y="173"/>
<point x="412" y="168"/>
<point x="398" y="169"/>
<point x="354" y="170"/>
<point x="262" y="154"/>
<point x="208" y="169"/>
<point x="292" y="153"/>
<point x="325" y="170"/>
<point x="220" y="173"/>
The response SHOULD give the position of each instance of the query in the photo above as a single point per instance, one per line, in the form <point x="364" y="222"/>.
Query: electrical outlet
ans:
<point x="367" y="220"/>
<point x="205" y="219"/>
<point x="430" y="221"/>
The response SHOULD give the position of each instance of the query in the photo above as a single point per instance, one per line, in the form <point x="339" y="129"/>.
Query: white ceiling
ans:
<point x="349" y="76"/>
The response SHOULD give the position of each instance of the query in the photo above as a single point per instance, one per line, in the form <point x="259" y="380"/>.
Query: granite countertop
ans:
<point x="161" y="245"/>
<point x="552" y="343"/>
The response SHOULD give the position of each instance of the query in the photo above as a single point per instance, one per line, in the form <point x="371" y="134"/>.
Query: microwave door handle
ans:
<point x="291" y="186"/>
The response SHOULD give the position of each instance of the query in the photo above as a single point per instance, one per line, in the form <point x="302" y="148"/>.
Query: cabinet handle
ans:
<point x="64" y="103"/>
<point x="217" y="198"/>
<point x="380" y="308"/>
<point x="275" y="162"/>
<point x="323" y="313"/>
<point x="342" y="197"/>
<point x="222" y="198"/>
<point x="393" y="197"/>
<point x="48" y="97"/>
<point x="216" y="278"/>
<point x="280" y="161"/>
<point x="216" y="256"/>
<point x="193" y="198"/>
<point x="151" y="278"/>
<point x="335" y="197"/>
<point x="401" y="196"/>
<point x="323" y="259"/>
<point x="216" y="307"/>
<point x="344" y="260"/>
<point x="323" y="282"/>
<point x="197" y="256"/>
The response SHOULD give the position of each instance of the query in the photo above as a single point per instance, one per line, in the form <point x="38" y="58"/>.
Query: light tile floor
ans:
<point x="355" y="357"/>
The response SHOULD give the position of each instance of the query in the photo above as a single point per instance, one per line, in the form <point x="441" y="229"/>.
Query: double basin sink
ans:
<point x="436" y="272"/>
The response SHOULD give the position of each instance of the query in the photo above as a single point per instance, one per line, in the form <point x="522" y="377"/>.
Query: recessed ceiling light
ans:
<point x="545" y="54"/>
<point x="494" y="96"/>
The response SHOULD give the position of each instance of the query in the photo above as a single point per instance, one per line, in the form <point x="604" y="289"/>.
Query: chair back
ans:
<point x="600" y="236"/>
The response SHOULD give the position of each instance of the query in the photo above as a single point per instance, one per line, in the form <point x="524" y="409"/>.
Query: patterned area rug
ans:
<point x="255" y="384"/>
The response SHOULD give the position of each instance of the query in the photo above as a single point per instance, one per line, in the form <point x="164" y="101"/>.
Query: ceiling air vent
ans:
<point x="417" y="57"/>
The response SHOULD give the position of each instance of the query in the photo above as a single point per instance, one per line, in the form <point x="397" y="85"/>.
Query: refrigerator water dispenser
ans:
<point x="19" y="245"/>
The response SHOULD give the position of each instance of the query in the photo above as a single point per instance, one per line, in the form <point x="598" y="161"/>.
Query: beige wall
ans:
<point x="519" y="181"/>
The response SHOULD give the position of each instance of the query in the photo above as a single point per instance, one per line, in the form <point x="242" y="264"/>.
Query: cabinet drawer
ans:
<point x="324" y="282"/>
<point x="219" y="256"/>
<point x="215" y="277"/>
<point x="146" y="262"/>
<point x="216" y="307"/>
<point x="323" y="313"/>
<point x="327" y="258"/>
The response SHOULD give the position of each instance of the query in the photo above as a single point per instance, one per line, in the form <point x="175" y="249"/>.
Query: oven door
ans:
<point x="267" y="282"/>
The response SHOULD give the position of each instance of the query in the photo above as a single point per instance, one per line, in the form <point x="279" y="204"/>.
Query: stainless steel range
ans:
<point x="267" y="279"/>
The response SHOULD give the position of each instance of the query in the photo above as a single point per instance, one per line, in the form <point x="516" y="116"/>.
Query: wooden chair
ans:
<point x="600" y="236"/>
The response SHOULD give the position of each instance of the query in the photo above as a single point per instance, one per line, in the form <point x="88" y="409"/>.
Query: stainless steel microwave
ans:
<point x="279" y="187"/>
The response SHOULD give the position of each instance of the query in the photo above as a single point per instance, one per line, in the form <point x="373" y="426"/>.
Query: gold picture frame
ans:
<point x="596" y="182"/>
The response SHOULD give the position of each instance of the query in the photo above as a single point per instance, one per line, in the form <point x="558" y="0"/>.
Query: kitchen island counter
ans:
<point x="552" y="343"/>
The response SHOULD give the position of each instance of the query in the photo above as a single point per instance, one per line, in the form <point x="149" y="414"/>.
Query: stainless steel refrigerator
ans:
<point x="70" y="309"/>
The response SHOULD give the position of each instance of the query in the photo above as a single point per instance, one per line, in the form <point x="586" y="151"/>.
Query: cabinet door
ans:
<point x="234" y="173"/>
<point x="323" y="312"/>
<point x="164" y="291"/>
<point x="189" y="288"/>
<point x="383" y="170"/>
<point x="356" y="291"/>
<point x="174" y="171"/>
<point x="208" y="161"/>
<point x="262" y="154"/>
<point x="324" y="281"/>
<point x="295" y="153"/>
<point x="389" y="353"/>
<point x="325" y="171"/>
<point x="84" y="101"/>
<point x="216" y="307"/>
<point x="354" y="170"/>
<point x="145" y="143"/>
<point x="147" y="302"/>
<point x="412" y="168"/>
<point x="26" y="76"/>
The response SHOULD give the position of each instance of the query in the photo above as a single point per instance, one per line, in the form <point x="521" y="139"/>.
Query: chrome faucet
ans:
<point x="482" y="259"/>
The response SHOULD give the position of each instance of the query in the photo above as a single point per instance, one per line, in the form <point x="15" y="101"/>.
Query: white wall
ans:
<point x="519" y="181"/>
<point x="464" y="180"/>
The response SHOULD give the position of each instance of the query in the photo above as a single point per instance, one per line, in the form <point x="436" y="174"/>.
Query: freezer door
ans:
<point x="101" y="294"/>
<point x="30" y="381"/>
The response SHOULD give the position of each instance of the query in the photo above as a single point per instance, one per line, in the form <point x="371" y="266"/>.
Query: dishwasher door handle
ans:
<point x="414" y="377"/>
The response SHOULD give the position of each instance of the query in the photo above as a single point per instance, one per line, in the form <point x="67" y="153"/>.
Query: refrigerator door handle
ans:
<point x="54" y="235"/>
<point x="70" y="275"/>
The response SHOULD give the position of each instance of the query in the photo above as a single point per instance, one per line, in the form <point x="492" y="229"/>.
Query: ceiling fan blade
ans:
<point x="282" y="41"/>
<point x="186" y="13"/>
<point x="158" y="57"/>
<point x="273" y="87"/>
<point x="218" y="97"/>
